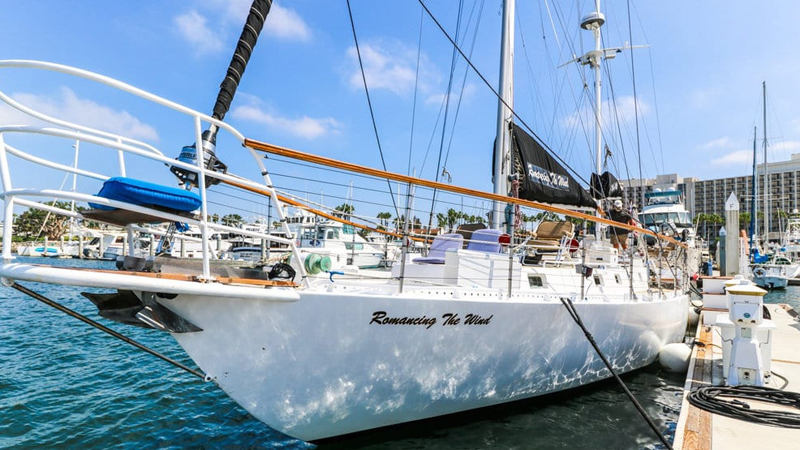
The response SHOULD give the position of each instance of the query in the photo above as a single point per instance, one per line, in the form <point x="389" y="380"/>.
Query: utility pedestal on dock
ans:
<point x="777" y="360"/>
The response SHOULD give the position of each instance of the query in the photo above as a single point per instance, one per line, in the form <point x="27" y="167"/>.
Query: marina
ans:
<point x="180" y="276"/>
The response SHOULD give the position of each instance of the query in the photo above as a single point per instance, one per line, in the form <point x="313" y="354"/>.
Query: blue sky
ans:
<point x="698" y="82"/>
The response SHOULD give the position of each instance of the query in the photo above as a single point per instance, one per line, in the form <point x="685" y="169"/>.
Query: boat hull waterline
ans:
<point x="334" y="363"/>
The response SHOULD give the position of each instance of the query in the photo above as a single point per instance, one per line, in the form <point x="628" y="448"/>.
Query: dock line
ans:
<point x="572" y="312"/>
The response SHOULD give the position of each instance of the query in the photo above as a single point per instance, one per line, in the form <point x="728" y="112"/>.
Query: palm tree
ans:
<point x="232" y="220"/>
<point x="384" y="218"/>
<point x="345" y="210"/>
<point x="452" y="218"/>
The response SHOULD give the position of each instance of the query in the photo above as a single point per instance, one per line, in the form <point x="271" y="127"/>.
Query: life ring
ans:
<point x="759" y="272"/>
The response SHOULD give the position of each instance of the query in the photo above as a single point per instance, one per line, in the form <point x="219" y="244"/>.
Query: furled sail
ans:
<point x="543" y="178"/>
<point x="605" y="186"/>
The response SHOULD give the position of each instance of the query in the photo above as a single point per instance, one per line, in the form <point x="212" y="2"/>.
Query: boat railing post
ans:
<point x="80" y="246"/>
<point x="660" y="266"/>
<point x="131" y="241"/>
<point x="405" y="233"/>
<point x="121" y="158"/>
<point x="201" y="184"/>
<point x="282" y="216"/>
<point x="510" y="264"/>
<point x="8" y="214"/>
<point x="126" y="240"/>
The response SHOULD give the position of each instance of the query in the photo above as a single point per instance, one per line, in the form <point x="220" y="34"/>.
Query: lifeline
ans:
<point x="379" y="317"/>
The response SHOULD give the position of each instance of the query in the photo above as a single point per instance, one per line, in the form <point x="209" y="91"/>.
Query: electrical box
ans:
<point x="746" y="336"/>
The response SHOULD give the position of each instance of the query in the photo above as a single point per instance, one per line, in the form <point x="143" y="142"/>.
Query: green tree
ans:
<point x="744" y="220"/>
<point x="232" y="220"/>
<point x="452" y="218"/>
<point x="384" y="218"/>
<point x="37" y="223"/>
<point x="345" y="210"/>
<point x="441" y="220"/>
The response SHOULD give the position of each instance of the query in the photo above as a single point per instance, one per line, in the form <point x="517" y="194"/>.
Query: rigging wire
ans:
<point x="635" y="106"/>
<point x="466" y="72"/>
<point x="655" y="97"/>
<point x="369" y="102"/>
<point x="584" y="81"/>
<point x="416" y="91"/>
<point x="453" y="60"/>
<point x="499" y="97"/>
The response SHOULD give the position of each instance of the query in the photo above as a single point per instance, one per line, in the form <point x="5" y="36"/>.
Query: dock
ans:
<point x="698" y="429"/>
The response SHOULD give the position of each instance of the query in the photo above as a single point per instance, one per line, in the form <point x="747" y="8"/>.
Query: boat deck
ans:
<point x="701" y="430"/>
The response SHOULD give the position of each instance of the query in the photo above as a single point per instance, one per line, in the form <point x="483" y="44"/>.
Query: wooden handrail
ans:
<point x="321" y="160"/>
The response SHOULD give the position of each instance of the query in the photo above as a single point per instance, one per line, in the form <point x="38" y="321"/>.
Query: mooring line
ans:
<point x="572" y="312"/>
<point x="105" y="329"/>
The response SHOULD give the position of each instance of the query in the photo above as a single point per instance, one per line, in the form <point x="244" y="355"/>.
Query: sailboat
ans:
<point x="763" y="268"/>
<point x="314" y="353"/>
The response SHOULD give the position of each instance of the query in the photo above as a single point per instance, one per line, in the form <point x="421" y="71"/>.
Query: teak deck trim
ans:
<point x="183" y="277"/>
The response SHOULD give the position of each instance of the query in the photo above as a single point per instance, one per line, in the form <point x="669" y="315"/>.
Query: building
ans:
<point x="708" y="196"/>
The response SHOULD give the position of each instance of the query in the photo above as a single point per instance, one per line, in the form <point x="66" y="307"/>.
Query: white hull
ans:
<point x="318" y="367"/>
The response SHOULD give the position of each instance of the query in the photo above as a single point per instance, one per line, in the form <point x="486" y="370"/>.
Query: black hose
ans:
<point x="572" y="312"/>
<point x="709" y="399"/>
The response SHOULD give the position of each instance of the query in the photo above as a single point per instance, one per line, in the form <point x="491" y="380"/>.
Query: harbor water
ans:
<point x="66" y="385"/>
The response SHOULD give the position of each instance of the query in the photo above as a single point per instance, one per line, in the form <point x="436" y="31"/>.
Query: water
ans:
<point x="66" y="385"/>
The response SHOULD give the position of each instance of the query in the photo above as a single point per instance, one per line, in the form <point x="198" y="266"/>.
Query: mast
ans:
<point x="502" y="151"/>
<point x="593" y="22"/>
<point x="766" y="170"/>
<point x="754" y="201"/>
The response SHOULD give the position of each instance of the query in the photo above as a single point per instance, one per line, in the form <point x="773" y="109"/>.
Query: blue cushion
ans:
<point x="142" y="193"/>
<point x="441" y="244"/>
<point x="486" y="240"/>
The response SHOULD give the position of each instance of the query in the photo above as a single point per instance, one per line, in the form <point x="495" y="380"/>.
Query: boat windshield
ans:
<point x="680" y="219"/>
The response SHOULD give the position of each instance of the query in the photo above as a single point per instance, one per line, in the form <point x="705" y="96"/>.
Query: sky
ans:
<point x="697" y="86"/>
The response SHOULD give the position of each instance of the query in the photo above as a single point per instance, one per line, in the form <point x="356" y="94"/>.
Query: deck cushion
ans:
<point x="486" y="240"/>
<point x="441" y="244"/>
<point x="142" y="193"/>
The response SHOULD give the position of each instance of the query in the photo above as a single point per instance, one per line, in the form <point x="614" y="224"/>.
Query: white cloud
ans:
<point x="283" y="23"/>
<point x="68" y="106"/>
<point x="795" y="124"/>
<point x="626" y="108"/>
<point x="304" y="127"/>
<point x="785" y="146"/>
<point x="390" y="66"/>
<point x="193" y="28"/>
<point x="738" y="157"/>
<point x="704" y="99"/>
<point x="623" y="108"/>
<point x="437" y="99"/>
<point x="722" y="142"/>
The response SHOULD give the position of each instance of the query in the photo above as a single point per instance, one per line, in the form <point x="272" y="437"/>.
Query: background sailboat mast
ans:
<point x="502" y="153"/>
<point x="767" y="193"/>
<point x="754" y="202"/>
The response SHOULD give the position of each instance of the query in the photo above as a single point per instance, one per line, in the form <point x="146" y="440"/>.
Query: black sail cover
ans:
<point x="606" y="186"/>
<point x="545" y="180"/>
